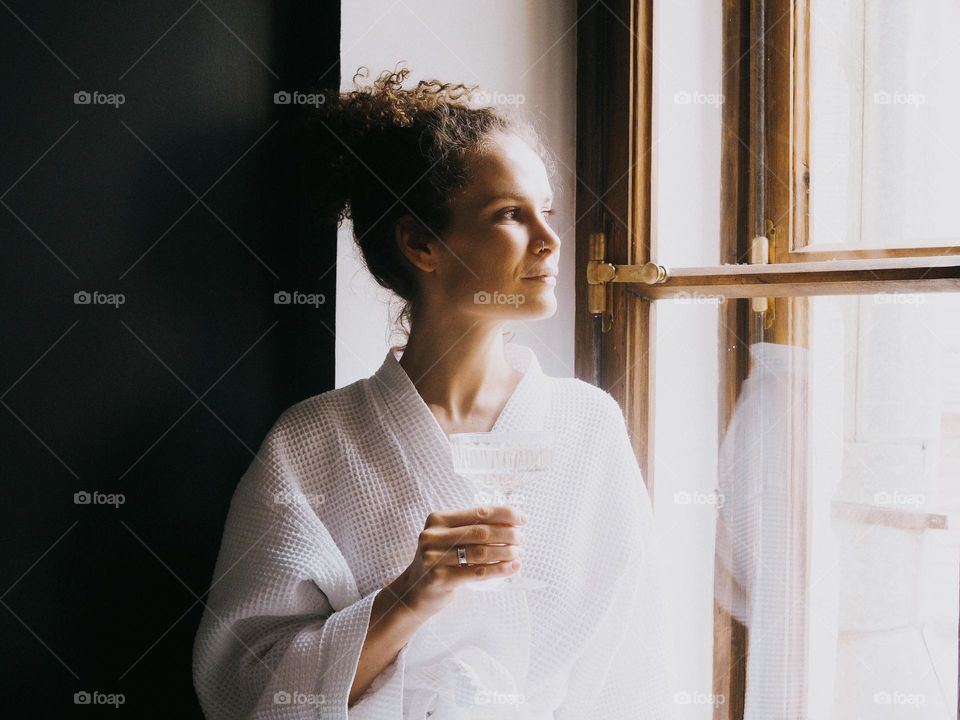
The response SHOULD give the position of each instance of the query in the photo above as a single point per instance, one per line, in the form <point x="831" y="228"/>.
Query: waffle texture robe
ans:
<point x="330" y="511"/>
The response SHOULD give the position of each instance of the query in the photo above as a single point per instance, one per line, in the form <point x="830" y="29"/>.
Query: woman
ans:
<point x="339" y="589"/>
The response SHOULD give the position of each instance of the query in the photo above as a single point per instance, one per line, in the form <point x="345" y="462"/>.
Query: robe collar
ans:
<point x="421" y="440"/>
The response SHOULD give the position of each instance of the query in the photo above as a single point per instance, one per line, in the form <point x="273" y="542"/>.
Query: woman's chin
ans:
<point x="522" y="304"/>
<point x="548" y="312"/>
<point x="535" y="308"/>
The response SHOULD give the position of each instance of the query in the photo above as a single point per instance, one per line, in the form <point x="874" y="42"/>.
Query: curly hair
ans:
<point x="380" y="152"/>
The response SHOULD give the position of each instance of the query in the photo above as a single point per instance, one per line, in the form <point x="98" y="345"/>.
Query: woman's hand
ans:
<point x="492" y="543"/>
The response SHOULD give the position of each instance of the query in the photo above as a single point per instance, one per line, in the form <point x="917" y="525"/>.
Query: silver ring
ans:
<point x="461" y="555"/>
<point x="542" y="245"/>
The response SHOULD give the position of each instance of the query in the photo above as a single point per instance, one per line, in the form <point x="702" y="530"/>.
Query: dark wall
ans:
<point x="184" y="200"/>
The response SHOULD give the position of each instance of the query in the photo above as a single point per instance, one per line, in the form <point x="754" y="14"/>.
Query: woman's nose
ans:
<point x="545" y="239"/>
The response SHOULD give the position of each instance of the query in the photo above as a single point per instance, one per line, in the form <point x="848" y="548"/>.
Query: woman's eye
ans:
<point x="513" y="213"/>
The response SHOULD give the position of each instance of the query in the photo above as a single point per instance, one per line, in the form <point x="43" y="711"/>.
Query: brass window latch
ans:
<point x="600" y="273"/>
<point x="759" y="254"/>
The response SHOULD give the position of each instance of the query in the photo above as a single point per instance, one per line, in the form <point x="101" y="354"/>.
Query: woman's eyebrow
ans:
<point x="512" y="195"/>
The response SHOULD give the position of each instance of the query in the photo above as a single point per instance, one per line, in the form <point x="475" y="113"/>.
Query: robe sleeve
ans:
<point x="624" y="671"/>
<point x="284" y="624"/>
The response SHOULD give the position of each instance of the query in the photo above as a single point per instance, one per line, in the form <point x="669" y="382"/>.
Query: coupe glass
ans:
<point x="498" y="464"/>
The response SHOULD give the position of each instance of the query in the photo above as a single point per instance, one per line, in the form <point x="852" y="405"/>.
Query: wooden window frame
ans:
<point x="788" y="140"/>
<point x="765" y="119"/>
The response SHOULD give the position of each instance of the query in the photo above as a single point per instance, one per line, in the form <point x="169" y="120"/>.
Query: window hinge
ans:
<point x="600" y="273"/>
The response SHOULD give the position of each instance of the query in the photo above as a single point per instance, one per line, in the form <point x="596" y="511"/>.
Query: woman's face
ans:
<point x="489" y="257"/>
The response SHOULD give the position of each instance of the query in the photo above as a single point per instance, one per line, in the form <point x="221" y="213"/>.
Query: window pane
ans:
<point x="883" y="499"/>
<point x="884" y="123"/>
<point x="824" y="517"/>
<point x="685" y="479"/>
<point x="686" y="132"/>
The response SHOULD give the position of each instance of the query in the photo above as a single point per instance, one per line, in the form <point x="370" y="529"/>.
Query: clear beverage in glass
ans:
<point x="499" y="464"/>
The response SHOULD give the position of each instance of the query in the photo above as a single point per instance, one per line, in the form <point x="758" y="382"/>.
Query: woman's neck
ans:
<point x="461" y="373"/>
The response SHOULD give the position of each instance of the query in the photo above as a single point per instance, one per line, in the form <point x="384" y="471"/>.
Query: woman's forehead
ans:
<point x="508" y="169"/>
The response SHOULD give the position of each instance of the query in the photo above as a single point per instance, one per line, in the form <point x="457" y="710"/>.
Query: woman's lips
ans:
<point x="548" y="279"/>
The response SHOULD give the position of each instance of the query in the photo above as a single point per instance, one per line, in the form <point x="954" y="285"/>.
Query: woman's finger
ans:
<point x="445" y="538"/>
<point x="476" y="554"/>
<point x="482" y="514"/>
<point x="478" y="572"/>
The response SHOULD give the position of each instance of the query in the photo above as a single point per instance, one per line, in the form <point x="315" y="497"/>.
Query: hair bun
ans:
<point x="341" y="128"/>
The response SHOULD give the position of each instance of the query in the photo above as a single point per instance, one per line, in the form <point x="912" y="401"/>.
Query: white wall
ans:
<point x="526" y="48"/>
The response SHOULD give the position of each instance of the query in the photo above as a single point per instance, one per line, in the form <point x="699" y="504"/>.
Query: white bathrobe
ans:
<point x="330" y="511"/>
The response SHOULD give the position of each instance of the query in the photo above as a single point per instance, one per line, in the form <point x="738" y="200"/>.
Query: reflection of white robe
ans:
<point x="755" y="538"/>
<point x="330" y="512"/>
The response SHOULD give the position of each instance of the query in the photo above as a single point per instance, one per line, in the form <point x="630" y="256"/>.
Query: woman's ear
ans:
<point x="416" y="243"/>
